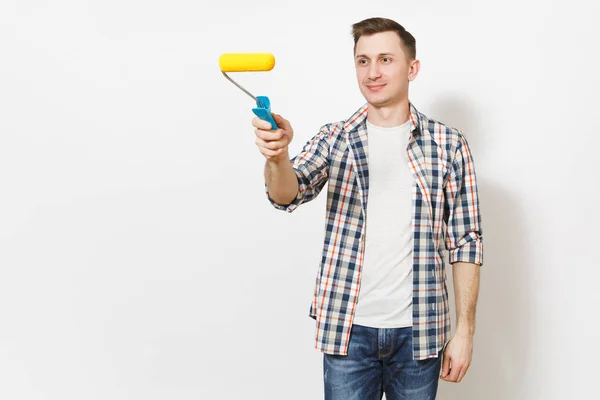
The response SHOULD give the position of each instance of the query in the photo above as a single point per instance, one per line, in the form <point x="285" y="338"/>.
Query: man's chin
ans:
<point x="383" y="101"/>
<point x="375" y="102"/>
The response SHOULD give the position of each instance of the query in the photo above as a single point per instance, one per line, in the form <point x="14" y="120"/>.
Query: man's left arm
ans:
<point x="459" y="351"/>
<point x="464" y="242"/>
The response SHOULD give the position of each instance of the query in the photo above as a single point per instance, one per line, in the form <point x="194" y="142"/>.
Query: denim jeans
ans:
<point x="380" y="361"/>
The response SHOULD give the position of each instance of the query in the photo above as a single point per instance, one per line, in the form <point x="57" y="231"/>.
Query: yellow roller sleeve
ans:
<point x="246" y="62"/>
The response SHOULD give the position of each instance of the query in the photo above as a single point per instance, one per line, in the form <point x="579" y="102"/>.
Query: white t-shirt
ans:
<point x="386" y="289"/>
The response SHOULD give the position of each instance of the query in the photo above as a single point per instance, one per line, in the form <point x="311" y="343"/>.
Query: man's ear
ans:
<point x="413" y="70"/>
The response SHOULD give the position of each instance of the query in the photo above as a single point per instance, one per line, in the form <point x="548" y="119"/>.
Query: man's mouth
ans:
<point x="375" y="88"/>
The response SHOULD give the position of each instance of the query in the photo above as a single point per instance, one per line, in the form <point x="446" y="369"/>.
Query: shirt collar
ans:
<point x="359" y="118"/>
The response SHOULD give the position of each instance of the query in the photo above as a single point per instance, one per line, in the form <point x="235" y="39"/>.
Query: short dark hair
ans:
<point x="370" y="26"/>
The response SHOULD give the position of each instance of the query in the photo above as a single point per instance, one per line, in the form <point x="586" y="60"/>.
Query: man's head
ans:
<point x="385" y="60"/>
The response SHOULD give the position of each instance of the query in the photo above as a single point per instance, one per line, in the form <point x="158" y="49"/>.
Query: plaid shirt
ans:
<point x="445" y="213"/>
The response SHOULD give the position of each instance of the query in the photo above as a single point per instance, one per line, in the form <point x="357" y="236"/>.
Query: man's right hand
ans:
<point x="273" y="144"/>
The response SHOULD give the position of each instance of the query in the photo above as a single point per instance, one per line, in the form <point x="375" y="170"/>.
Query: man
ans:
<point x="400" y="186"/>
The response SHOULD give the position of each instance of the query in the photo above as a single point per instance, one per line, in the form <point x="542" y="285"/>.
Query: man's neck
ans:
<point x="389" y="116"/>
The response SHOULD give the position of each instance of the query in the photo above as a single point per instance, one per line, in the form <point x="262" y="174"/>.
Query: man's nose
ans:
<point x="374" y="71"/>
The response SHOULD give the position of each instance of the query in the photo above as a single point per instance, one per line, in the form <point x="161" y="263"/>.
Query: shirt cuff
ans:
<point x="295" y="203"/>
<point x="469" y="250"/>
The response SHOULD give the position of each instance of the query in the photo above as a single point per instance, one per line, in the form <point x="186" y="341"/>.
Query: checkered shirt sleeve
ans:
<point x="463" y="219"/>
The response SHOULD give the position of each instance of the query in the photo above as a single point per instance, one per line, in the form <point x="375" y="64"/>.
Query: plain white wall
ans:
<point x="139" y="258"/>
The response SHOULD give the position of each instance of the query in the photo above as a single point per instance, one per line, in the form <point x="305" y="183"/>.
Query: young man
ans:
<point x="400" y="187"/>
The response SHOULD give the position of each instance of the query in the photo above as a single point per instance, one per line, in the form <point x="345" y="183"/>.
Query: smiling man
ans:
<point x="400" y="187"/>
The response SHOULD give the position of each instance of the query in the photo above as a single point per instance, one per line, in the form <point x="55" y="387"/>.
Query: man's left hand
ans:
<point x="457" y="357"/>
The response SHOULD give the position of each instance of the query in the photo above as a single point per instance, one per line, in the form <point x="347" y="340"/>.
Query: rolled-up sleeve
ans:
<point x="464" y="239"/>
<point x="311" y="167"/>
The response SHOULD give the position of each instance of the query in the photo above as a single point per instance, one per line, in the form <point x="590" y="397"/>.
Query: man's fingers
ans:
<point x="270" y="153"/>
<point x="273" y="143"/>
<point x="281" y="122"/>
<point x="454" y="372"/>
<point x="463" y="372"/>
<point x="450" y="368"/>
<point x="261" y="124"/>
<point x="270" y="145"/>
<point x="268" y="135"/>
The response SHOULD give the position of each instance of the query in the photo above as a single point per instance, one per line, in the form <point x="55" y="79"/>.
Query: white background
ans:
<point x="140" y="259"/>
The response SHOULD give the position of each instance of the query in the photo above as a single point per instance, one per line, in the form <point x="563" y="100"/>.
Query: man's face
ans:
<point x="382" y="69"/>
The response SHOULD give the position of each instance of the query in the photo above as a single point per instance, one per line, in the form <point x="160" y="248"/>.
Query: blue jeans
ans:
<point x="380" y="361"/>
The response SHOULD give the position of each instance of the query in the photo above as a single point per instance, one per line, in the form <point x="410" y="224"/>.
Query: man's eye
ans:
<point x="386" y="59"/>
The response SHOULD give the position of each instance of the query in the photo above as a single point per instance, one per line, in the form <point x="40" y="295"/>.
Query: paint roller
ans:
<point x="250" y="62"/>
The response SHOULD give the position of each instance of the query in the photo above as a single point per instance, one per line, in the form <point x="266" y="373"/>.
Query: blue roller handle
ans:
<point x="264" y="112"/>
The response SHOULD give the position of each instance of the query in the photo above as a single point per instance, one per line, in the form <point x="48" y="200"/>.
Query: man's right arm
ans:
<point x="281" y="181"/>
<point x="290" y="183"/>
